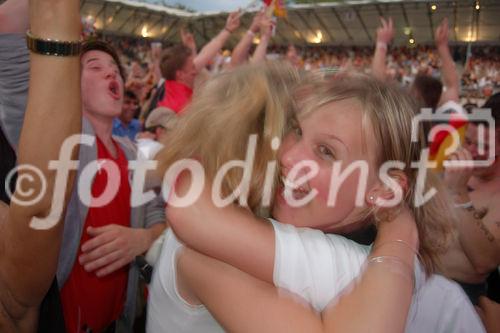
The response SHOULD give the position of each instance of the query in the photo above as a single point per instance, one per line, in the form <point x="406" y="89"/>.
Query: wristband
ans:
<point x="251" y="33"/>
<point x="381" y="45"/>
<point x="228" y="30"/>
<point x="53" y="47"/>
<point x="394" y="265"/>
<point x="397" y="242"/>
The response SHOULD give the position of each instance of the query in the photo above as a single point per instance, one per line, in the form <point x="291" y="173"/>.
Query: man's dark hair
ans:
<point x="429" y="90"/>
<point x="97" y="45"/>
<point x="493" y="103"/>
<point x="173" y="59"/>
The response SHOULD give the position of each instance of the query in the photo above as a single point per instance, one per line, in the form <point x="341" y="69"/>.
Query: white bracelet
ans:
<point x="251" y="33"/>
<point x="394" y="264"/>
<point x="381" y="45"/>
<point x="465" y="205"/>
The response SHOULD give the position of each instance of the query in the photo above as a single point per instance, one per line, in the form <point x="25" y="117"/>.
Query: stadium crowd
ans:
<point x="480" y="70"/>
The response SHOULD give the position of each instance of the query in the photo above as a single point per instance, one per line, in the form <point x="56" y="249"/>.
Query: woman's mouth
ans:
<point x="289" y="189"/>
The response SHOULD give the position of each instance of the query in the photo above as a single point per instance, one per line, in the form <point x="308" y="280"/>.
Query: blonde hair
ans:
<point x="257" y="99"/>
<point x="224" y="112"/>
<point x="390" y="112"/>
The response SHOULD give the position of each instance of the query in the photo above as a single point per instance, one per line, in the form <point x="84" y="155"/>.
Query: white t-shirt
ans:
<point x="317" y="267"/>
<point x="147" y="148"/>
<point x="307" y="260"/>
<point x="167" y="310"/>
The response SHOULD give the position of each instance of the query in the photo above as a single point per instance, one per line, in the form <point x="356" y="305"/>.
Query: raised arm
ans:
<point x="209" y="51"/>
<point x="231" y="234"/>
<point x="240" y="52"/>
<point x="155" y="61"/>
<point x="385" y="34"/>
<point x="449" y="74"/>
<point x="28" y="257"/>
<point x="381" y="297"/>
<point x="265" y="36"/>
<point x="187" y="39"/>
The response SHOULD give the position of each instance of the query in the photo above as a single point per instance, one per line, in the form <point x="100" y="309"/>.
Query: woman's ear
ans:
<point x="389" y="191"/>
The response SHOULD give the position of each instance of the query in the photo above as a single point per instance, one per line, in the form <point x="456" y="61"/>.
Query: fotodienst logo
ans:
<point x="441" y="121"/>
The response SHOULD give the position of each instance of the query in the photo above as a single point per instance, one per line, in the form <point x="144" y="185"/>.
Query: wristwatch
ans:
<point x="52" y="47"/>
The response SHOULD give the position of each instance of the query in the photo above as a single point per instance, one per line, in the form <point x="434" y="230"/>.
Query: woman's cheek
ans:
<point x="322" y="184"/>
<point x="343" y="193"/>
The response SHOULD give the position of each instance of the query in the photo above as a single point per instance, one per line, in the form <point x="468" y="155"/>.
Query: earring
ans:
<point x="371" y="198"/>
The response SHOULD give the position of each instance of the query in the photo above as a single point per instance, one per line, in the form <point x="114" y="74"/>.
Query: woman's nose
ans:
<point x="293" y="154"/>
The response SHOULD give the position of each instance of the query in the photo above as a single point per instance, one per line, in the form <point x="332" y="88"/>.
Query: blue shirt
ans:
<point x="130" y="130"/>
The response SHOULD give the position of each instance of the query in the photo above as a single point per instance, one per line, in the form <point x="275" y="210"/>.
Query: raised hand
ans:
<point x="156" y="51"/>
<point x="188" y="39"/>
<point x="233" y="21"/>
<point x="266" y="26"/>
<point x="255" y="26"/>
<point x="385" y="33"/>
<point x="442" y="32"/>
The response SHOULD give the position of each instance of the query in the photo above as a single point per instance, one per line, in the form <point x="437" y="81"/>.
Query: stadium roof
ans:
<point x="325" y="23"/>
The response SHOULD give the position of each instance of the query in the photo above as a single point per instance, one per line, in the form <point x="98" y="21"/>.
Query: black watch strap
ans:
<point x="53" y="47"/>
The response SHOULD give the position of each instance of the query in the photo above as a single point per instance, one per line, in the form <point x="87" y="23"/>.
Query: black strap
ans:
<point x="7" y="163"/>
<point x="159" y="94"/>
<point x="51" y="317"/>
<point x="145" y="269"/>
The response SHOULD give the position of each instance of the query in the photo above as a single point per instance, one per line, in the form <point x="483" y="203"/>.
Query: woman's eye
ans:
<point x="297" y="130"/>
<point x="325" y="151"/>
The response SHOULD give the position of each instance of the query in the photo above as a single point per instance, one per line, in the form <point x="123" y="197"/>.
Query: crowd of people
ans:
<point x="479" y="66"/>
<point x="275" y="132"/>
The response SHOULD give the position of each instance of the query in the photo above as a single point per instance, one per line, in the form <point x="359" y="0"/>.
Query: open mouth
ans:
<point x="297" y="191"/>
<point x="114" y="90"/>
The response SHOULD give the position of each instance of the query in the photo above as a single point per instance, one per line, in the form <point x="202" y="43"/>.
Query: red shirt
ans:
<point x="89" y="301"/>
<point x="177" y="95"/>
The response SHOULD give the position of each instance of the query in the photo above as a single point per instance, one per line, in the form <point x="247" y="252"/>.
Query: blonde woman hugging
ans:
<point x="236" y="270"/>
